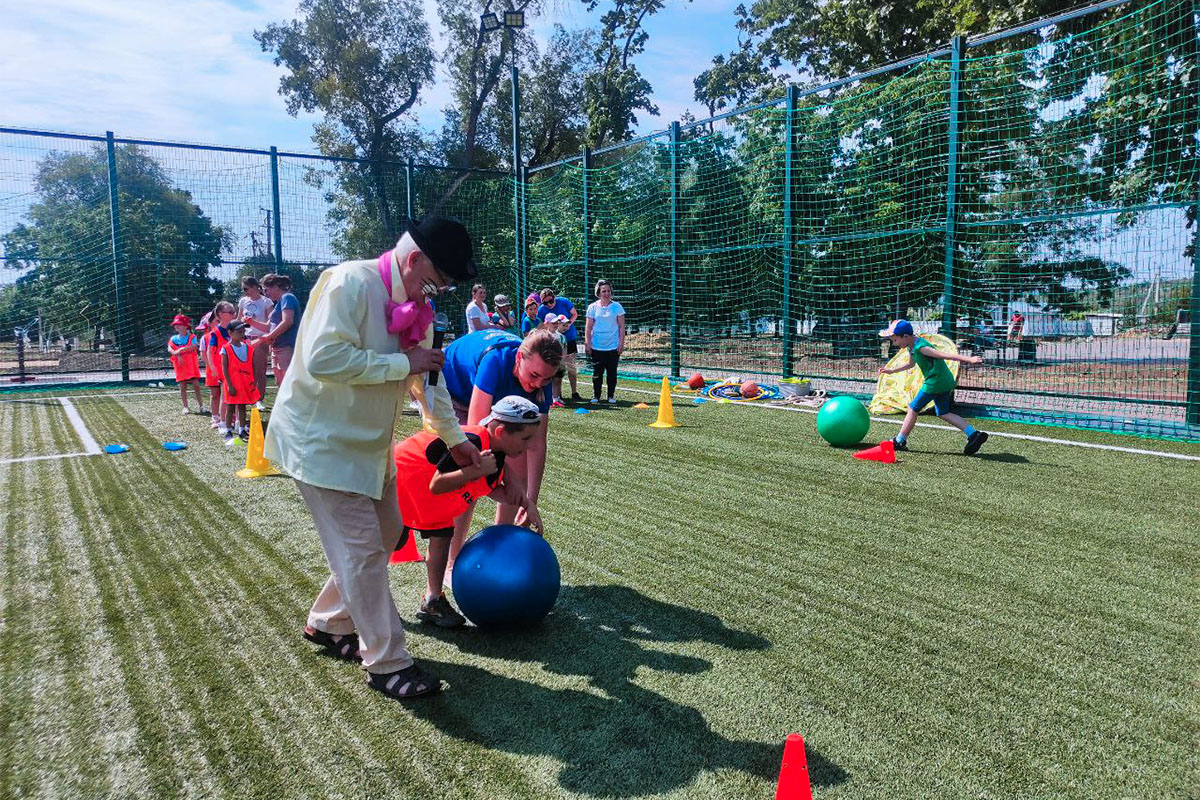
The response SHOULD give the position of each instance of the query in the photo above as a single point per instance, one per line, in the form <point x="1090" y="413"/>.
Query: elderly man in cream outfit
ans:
<point x="362" y="348"/>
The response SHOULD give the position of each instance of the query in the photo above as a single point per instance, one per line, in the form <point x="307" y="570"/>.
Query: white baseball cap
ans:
<point x="513" y="408"/>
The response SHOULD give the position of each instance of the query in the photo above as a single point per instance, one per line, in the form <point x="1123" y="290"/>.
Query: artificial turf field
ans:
<point x="1017" y="625"/>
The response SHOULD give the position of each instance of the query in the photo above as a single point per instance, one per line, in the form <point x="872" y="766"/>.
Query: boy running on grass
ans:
<point x="433" y="489"/>
<point x="938" y="387"/>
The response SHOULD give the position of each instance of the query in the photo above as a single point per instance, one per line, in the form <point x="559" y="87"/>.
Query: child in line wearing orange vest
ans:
<point x="184" y="348"/>
<point x="433" y="490"/>
<point x="239" y="389"/>
<point x="216" y="335"/>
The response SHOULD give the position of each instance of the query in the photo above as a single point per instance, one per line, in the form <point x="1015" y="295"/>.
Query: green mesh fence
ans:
<point x="85" y="299"/>
<point x="1049" y="174"/>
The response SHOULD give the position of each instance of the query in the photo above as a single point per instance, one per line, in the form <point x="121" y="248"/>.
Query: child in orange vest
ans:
<point x="433" y="490"/>
<point x="215" y="337"/>
<point x="239" y="388"/>
<point x="184" y="348"/>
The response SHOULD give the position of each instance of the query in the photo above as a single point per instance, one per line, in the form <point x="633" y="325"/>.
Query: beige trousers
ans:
<point x="359" y="535"/>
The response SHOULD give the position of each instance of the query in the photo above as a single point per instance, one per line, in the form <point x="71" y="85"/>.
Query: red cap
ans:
<point x="182" y="319"/>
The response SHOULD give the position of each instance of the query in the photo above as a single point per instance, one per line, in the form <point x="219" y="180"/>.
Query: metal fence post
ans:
<point x="408" y="188"/>
<point x="524" y="255"/>
<point x="275" y="206"/>
<point x="122" y="332"/>
<point x="675" y="368"/>
<point x="587" y="221"/>
<point x="789" y="234"/>
<point x="1193" y="378"/>
<point x="957" y="46"/>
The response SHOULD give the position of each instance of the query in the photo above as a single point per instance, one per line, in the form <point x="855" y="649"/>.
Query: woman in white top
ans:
<point x="604" y="339"/>
<point x="254" y="308"/>
<point x="477" y="313"/>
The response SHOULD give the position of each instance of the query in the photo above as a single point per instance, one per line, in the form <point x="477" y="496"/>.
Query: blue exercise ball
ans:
<point x="506" y="575"/>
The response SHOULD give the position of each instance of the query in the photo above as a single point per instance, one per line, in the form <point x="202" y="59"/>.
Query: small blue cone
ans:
<point x="113" y="449"/>
<point x="582" y="411"/>
<point x="700" y="400"/>
<point x="174" y="446"/>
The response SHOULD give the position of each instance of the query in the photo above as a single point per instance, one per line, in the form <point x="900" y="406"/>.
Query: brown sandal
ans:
<point x="341" y="647"/>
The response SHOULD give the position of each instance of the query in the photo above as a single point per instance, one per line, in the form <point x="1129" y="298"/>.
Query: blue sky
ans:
<point x="195" y="74"/>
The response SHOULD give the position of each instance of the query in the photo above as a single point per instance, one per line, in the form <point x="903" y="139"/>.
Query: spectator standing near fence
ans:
<point x="476" y="310"/>
<point x="255" y="310"/>
<point x="604" y="339"/>
<point x="283" y="323"/>
<point x="553" y="304"/>
<point x="504" y="318"/>
<point x="530" y="321"/>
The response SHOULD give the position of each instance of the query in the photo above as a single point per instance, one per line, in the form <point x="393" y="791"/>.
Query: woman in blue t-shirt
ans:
<point x="485" y="366"/>
<point x="283" y="323"/>
<point x="604" y="339"/>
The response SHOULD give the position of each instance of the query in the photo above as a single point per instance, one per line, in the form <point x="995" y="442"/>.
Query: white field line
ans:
<point x="1027" y="437"/>
<point x="4" y="461"/>
<point x="89" y="396"/>
<point x="89" y="444"/>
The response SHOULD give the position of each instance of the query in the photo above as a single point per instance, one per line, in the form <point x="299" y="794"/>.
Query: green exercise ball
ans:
<point x="843" y="421"/>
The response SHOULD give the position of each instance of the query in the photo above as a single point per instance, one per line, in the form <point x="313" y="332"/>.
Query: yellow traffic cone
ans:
<point x="666" y="412"/>
<point x="257" y="465"/>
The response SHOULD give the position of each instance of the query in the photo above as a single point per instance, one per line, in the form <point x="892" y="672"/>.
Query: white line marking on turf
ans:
<point x="92" y="396"/>
<point x="4" y="461"/>
<point x="1027" y="437"/>
<point x="89" y="444"/>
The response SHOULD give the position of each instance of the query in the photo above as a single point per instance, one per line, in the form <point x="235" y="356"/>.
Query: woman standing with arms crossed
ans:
<point x="604" y="339"/>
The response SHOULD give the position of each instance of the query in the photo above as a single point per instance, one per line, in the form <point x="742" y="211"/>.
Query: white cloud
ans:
<point x="184" y="71"/>
<point x="190" y="70"/>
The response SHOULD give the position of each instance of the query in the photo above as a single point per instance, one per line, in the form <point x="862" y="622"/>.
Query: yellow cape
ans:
<point x="894" y="392"/>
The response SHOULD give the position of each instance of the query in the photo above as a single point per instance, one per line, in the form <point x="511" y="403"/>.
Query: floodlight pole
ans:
<point x="518" y="175"/>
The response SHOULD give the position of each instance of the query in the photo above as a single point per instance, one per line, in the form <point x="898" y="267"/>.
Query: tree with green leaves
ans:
<point x="168" y="247"/>
<point x="615" y="89"/>
<point x="363" y="64"/>
<point x="477" y="62"/>
<point x="553" y="125"/>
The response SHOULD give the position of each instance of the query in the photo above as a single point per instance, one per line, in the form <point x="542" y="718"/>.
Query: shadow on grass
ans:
<point x="620" y="739"/>
<point x="998" y="458"/>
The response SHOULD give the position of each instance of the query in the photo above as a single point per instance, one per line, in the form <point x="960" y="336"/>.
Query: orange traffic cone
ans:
<point x="257" y="465"/>
<point x="793" y="772"/>
<point x="407" y="552"/>
<point x="884" y="452"/>
<point x="666" y="412"/>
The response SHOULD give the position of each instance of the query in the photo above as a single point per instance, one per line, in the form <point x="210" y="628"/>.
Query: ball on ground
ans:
<point x="749" y="389"/>
<point x="843" y="421"/>
<point x="696" y="381"/>
<point x="506" y="575"/>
